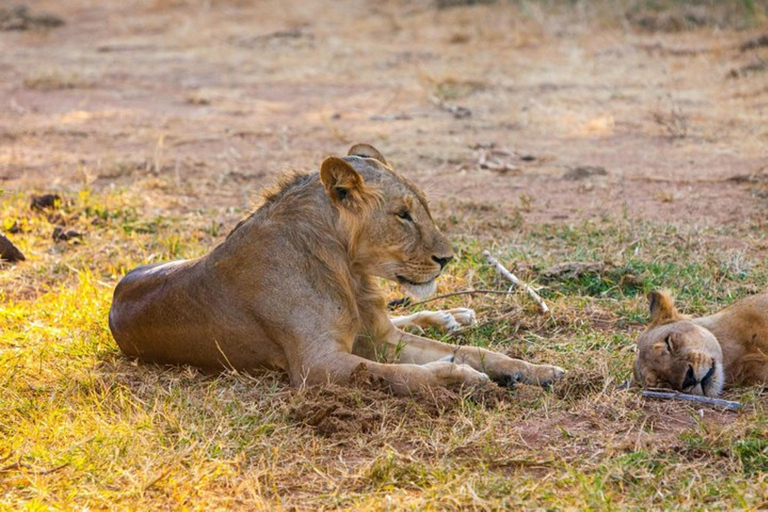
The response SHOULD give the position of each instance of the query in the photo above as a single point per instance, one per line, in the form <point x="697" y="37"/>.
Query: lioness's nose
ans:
<point x="442" y="261"/>
<point x="690" y="378"/>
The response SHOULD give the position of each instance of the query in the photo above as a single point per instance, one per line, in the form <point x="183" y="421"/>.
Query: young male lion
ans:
<point x="701" y="355"/>
<point x="293" y="287"/>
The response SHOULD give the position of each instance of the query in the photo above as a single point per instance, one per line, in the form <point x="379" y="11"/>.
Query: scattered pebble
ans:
<point x="9" y="252"/>
<point x="44" y="202"/>
<point x="584" y="172"/>
<point x="62" y="234"/>
<point x="19" y="18"/>
<point x="754" y="43"/>
<point x="757" y="66"/>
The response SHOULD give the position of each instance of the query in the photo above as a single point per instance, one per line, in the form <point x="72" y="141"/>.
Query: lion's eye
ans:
<point x="405" y="215"/>
<point x="668" y="341"/>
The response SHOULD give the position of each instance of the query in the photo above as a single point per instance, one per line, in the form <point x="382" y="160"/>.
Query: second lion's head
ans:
<point x="676" y="353"/>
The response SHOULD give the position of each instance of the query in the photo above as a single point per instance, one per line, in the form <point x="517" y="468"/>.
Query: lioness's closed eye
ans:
<point x="293" y="287"/>
<point x="702" y="355"/>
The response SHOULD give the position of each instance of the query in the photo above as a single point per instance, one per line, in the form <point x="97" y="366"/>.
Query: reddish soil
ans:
<point x="202" y="103"/>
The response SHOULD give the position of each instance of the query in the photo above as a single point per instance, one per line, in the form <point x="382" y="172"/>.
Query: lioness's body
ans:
<point x="742" y="333"/>
<point x="702" y="355"/>
<point x="292" y="287"/>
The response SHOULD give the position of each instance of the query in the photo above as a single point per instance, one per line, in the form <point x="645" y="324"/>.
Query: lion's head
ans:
<point x="675" y="353"/>
<point x="388" y="218"/>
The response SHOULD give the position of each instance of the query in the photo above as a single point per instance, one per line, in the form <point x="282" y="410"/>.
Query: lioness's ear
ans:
<point x="342" y="182"/>
<point x="662" y="307"/>
<point x="367" y="151"/>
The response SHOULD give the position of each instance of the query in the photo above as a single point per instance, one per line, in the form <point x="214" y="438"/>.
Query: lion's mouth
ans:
<point x="404" y="280"/>
<point x="418" y="290"/>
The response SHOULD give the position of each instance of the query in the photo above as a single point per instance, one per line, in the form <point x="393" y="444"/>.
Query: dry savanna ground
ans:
<point x="630" y="136"/>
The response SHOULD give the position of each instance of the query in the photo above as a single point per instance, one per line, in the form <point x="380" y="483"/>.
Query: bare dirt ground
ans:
<point x="203" y="103"/>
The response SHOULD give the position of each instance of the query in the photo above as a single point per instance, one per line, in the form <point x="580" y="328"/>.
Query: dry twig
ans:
<point x="457" y="111"/>
<point x="18" y="466"/>
<point x="159" y="477"/>
<point x="454" y="294"/>
<point x="663" y="395"/>
<point x="517" y="282"/>
<point x="497" y="160"/>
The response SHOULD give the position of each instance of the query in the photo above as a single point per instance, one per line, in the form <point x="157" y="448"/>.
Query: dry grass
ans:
<point x="674" y="122"/>
<point x="55" y="79"/>
<point x="248" y="94"/>
<point x="86" y="428"/>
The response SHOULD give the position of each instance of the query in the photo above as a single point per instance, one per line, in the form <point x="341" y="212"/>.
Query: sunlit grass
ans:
<point x="83" y="427"/>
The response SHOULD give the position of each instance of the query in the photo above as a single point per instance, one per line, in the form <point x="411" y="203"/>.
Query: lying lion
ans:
<point x="701" y="355"/>
<point x="293" y="287"/>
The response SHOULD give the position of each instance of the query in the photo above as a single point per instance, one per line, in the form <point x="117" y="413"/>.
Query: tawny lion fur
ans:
<point x="702" y="355"/>
<point x="293" y="287"/>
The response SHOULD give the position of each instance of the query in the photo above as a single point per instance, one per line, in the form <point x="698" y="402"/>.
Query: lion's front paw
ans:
<point x="448" y="320"/>
<point x="463" y="316"/>
<point x="444" y="321"/>
<point x="517" y="371"/>
<point x="447" y="373"/>
<point x="546" y="375"/>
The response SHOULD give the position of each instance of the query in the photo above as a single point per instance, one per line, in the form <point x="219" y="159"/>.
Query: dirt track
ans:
<point x="202" y="105"/>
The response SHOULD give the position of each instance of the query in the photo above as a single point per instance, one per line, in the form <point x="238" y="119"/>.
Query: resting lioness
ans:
<point x="293" y="287"/>
<point x="701" y="355"/>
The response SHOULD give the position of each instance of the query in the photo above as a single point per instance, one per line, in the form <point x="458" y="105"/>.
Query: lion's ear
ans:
<point x="342" y="182"/>
<point x="367" y="151"/>
<point x="662" y="307"/>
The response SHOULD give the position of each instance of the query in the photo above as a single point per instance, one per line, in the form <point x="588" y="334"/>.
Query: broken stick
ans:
<point x="509" y="276"/>
<point x="727" y="404"/>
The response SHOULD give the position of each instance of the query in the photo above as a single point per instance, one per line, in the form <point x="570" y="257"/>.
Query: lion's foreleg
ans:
<point x="412" y="349"/>
<point x="403" y="378"/>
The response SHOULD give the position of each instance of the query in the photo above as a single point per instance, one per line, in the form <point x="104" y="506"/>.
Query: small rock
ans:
<point x="447" y="4"/>
<point x="583" y="172"/>
<point x="754" y="43"/>
<point x="457" y="111"/>
<point x="19" y="18"/>
<point x="9" y="252"/>
<point x="45" y="201"/>
<point x="572" y="270"/>
<point x="62" y="234"/>
<point x="756" y="66"/>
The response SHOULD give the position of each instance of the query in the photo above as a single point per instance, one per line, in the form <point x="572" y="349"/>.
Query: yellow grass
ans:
<point x="83" y="427"/>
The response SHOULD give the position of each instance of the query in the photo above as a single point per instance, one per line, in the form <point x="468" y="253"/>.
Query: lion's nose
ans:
<point x="442" y="261"/>
<point x="690" y="378"/>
